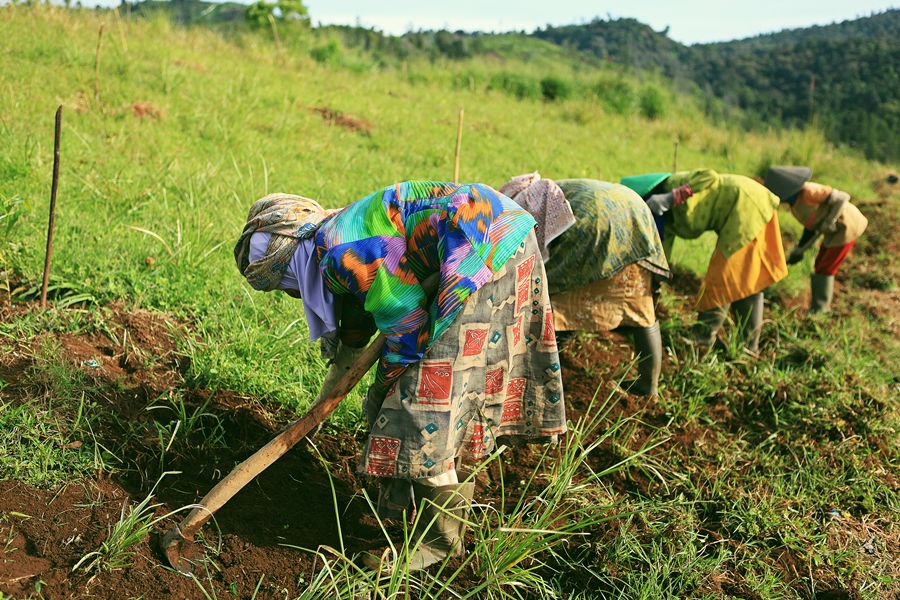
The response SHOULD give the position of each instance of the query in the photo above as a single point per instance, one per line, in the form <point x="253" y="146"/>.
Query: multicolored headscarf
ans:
<point x="291" y="218"/>
<point x="546" y="203"/>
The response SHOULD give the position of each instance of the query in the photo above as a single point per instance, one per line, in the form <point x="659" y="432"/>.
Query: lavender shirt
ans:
<point x="302" y="274"/>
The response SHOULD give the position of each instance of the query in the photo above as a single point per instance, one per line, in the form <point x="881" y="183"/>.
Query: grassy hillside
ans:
<point x="725" y="486"/>
<point x="839" y="78"/>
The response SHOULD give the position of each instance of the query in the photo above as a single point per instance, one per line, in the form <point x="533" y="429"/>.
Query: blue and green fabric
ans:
<point x="379" y="249"/>
<point x="613" y="229"/>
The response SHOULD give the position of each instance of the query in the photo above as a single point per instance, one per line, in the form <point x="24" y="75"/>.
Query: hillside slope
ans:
<point x="842" y="78"/>
<point x="155" y="369"/>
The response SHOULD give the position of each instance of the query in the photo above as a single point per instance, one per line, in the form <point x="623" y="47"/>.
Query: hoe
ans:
<point x="178" y="541"/>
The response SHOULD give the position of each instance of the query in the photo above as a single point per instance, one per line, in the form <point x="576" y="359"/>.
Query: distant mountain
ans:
<point x="879" y="25"/>
<point x="845" y="77"/>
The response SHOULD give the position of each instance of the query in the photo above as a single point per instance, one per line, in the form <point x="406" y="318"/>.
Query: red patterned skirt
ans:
<point x="494" y="372"/>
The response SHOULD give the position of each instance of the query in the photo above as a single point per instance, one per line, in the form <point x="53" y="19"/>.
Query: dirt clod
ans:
<point x="336" y="117"/>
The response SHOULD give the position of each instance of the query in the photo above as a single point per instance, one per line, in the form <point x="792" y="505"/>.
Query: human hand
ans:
<point x="836" y="203"/>
<point x="828" y="226"/>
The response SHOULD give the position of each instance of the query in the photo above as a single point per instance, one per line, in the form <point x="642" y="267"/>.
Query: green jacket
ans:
<point x="734" y="206"/>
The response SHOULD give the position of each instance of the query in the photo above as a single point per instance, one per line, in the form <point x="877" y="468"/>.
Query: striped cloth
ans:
<point x="382" y="247"/>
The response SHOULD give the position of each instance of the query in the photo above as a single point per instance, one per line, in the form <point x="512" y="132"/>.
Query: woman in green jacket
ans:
<point x="749" y="255"/>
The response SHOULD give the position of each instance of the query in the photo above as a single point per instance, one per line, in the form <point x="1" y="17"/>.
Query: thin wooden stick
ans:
<point x="8" y="288"/>
<point x="97" y="65"/>
<point x="458" y="146"/>
<point x="675" y="157"/>
<point x="53" y="189"/>
<point x="275" y="33"/>
<point x="812" y="94"/>
<point x="121" y="30"/>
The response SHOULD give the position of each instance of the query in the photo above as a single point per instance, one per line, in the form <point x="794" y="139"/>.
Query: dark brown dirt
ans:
<point x="126" y="361"/>
<point x="336" y="117"/>
<point x="129" y="367"/>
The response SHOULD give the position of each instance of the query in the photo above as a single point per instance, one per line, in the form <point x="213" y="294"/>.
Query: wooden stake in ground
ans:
<point x="675" y="157"/>
<point x="458" y="146"/>
<point x="812" y="96"/>
<point x="97" y="65"/>
<point x="275" y="33"/>
<point x="53" y="189"/>
<point x="121" y="30"/>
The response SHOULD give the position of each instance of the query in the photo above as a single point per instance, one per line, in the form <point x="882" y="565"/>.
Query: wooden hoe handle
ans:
<point x="181" y="536"/>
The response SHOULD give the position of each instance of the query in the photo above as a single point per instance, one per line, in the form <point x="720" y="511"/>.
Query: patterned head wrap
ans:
<point x="291" y="219"/>
<point x="546" y="203"/>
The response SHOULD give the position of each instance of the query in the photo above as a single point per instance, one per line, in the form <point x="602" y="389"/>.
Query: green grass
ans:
<point x="516" y="540"/>
<point x="36" y="446"/>
<point x="236" y="127"/>
<point x="772" y="474"/>
<point x="134" y="525"/>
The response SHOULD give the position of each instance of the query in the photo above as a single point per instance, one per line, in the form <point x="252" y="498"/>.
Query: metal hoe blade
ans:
<point x="174" y="545"/>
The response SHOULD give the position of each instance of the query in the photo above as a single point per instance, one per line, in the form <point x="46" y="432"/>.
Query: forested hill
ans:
<point x="879" y="25"/>
<point x="624" y="41"/>
<point x="845" y="76"/>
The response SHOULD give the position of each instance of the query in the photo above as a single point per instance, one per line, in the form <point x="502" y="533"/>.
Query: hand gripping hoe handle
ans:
<point x="179" y="540"/>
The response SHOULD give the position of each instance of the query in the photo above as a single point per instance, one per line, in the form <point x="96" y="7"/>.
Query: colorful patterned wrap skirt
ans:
<point x="494" y="372"/>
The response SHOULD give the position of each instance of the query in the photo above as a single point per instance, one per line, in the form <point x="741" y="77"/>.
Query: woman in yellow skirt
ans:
<point x="601" y="251"/>
<point x="749" y="256"/>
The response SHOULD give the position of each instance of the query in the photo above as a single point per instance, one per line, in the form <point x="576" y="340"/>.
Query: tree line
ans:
<point x="843" y="78"/>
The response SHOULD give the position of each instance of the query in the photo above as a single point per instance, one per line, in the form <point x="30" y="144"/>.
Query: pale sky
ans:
<point x="690" y="21"/>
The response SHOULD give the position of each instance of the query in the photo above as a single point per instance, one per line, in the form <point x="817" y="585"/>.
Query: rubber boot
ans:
<point x="822" y="293"/>
<point x="564" y="337"/>
<point x="708" y="324"/>
<point x="748" y="313"/>
<point x="648" y="348"/>
<point x="440" y="526"/>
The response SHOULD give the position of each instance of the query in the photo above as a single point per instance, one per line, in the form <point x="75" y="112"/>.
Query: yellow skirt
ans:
<point x="626" y="298"/>
<point x="751" y="269"/>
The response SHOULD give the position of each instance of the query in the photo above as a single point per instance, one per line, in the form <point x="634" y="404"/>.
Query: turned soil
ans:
<point x="267" y="531"/>
<point x="133" y="366"/>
